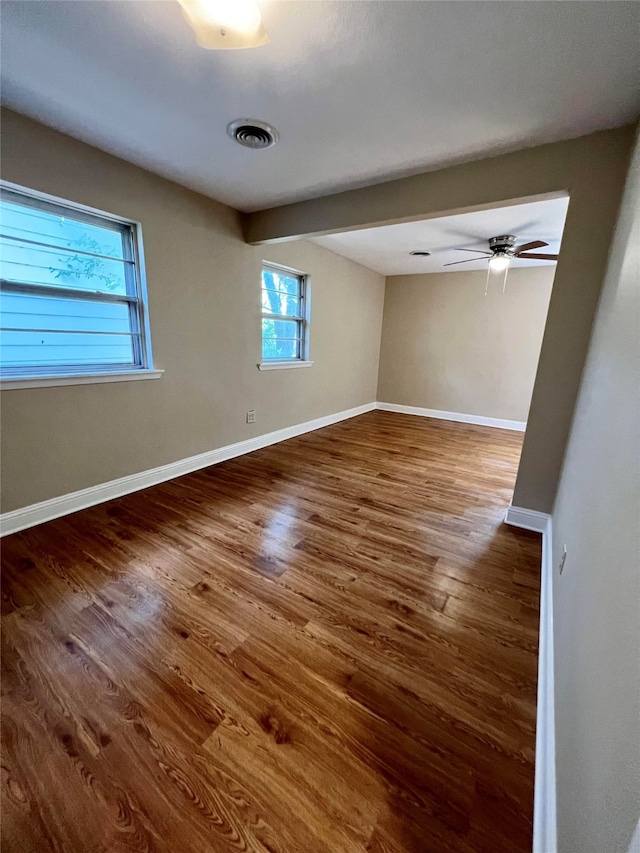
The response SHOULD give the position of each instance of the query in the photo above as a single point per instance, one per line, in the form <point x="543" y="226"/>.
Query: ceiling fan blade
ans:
<point x="468" y="261"/>
<point x="477" y="251"/>
<point x="534" y="244"/>
<point x="539" y="257"/>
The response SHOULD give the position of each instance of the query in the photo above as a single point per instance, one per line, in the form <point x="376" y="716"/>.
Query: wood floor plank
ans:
<point x="325" y="646"/>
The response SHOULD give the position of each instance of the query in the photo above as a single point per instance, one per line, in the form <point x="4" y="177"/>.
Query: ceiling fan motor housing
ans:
<point x="503" y="244"/>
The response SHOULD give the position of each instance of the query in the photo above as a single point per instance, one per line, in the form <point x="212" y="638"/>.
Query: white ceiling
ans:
<point x="359" y="91"/>
<point x="386" y="249"/>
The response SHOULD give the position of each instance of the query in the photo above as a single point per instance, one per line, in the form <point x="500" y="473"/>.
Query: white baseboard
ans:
<point x="545" y="838"/>
<point x="544" y="804"/>
<point x="520" y="426"/>
<point x="528" y="519"/>
<point x="29" y="516"/>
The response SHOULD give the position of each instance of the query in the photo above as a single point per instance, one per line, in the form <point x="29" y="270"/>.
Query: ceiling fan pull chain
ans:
<point x="486" y="288"/>
<point x="504" y="280"/>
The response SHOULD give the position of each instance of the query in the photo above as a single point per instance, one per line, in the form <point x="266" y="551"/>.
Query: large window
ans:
<point x="71" y="290"/>
<point x="284" y="315"/>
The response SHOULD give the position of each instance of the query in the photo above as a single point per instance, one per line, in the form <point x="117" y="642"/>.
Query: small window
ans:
<point x="284" y="314"/>
<point x="71" y="290"/>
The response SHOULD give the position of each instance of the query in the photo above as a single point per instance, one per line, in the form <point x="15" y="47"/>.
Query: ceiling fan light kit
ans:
<point x="225" y="24"/>
<point x="499" y="261"/>
<point x="502" y="248"/>
<point x="501" y="251"/>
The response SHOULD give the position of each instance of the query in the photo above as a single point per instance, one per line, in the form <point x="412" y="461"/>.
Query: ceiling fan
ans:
<point x="503" y="249"/>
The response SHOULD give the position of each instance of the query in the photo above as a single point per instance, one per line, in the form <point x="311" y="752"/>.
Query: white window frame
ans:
<point x="304" y="319"/>
<point x="142" y="367"/>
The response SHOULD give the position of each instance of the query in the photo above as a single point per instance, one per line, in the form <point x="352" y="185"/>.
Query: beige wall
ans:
<point x="205" y="318"/>
<point x="597" y="597"/>
<point x="592" y="169"/>
<point x="447" y="346"/>
<point x="203" y="285"/>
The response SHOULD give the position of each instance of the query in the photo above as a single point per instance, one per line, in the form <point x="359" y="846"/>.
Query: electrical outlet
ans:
<point x="563" y="558"/>
<point x="251" y="416"/>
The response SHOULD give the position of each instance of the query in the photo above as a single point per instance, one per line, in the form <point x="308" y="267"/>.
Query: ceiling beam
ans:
<point x="546" y="171"/>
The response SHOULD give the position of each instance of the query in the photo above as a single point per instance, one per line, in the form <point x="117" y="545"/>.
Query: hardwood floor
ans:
<point x="326" y="646"/>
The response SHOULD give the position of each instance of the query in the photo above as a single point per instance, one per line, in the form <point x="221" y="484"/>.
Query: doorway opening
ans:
<point x="466" y="304"/>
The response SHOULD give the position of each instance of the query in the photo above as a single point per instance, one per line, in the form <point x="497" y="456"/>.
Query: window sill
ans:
<point x="282" y="365"/>
<point x="77" y="379"/>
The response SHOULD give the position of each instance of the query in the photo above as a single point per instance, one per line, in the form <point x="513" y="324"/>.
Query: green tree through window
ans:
<point x="86" y="267"/>
<point x="282" y="314"/>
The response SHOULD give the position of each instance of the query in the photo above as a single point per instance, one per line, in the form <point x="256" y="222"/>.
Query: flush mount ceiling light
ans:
<point x="225" y="24"/>
<point x="252" y="133"/>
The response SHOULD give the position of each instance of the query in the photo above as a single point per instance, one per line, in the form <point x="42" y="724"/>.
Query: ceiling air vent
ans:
<point x="252" y="133"/>
<point x="420" y="254"/>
